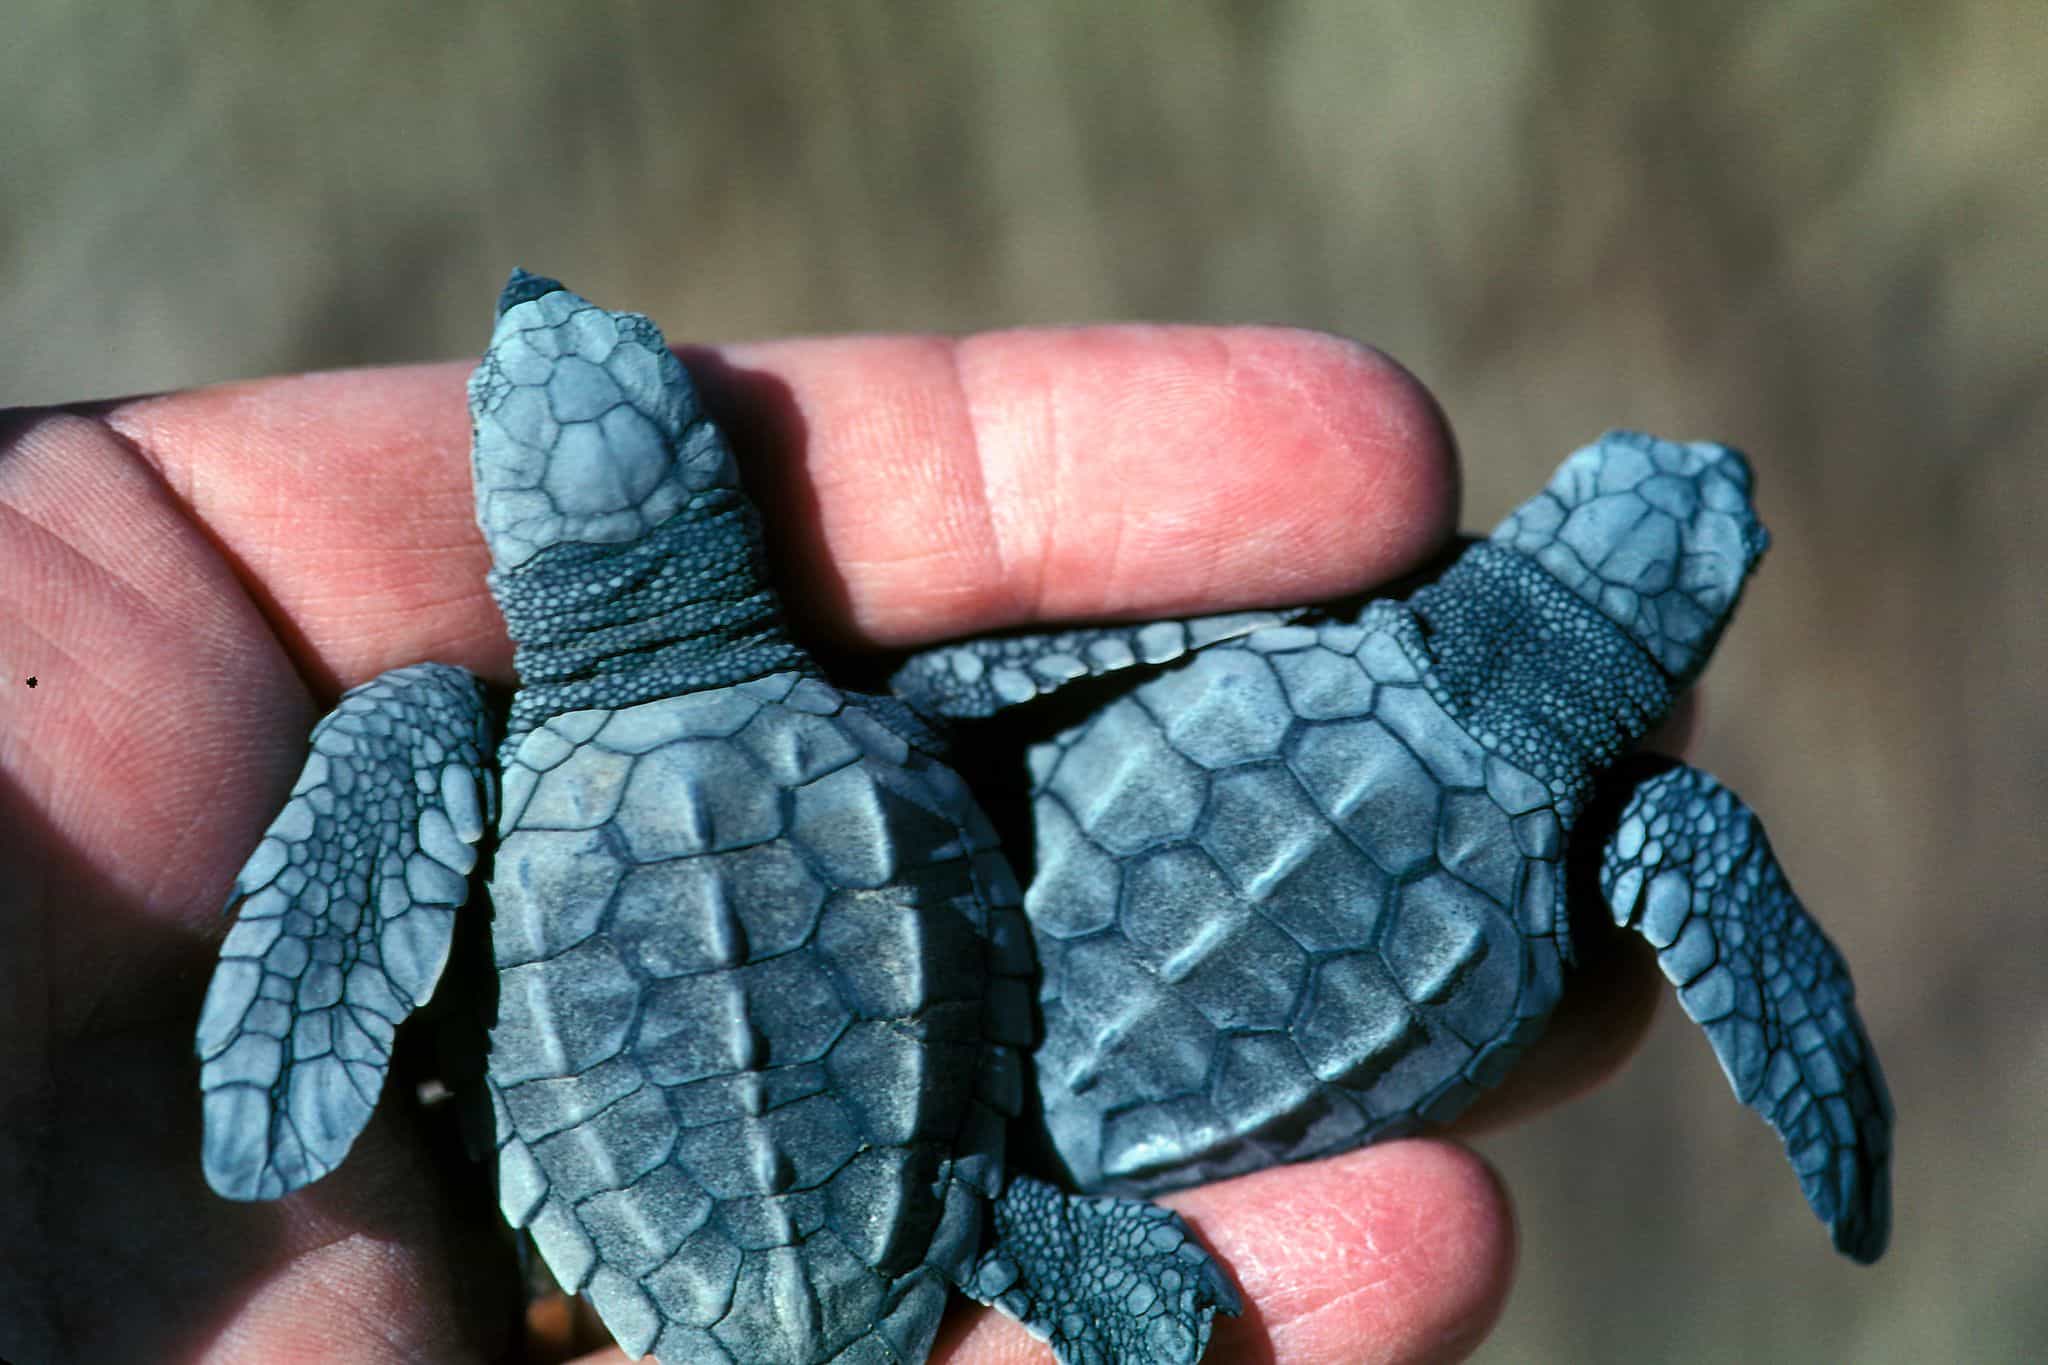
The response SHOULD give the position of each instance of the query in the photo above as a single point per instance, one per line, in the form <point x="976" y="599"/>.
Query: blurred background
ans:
<point x="1814" y="230"/>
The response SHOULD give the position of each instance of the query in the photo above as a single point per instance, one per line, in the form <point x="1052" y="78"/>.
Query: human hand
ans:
<point x="193" y="579"/>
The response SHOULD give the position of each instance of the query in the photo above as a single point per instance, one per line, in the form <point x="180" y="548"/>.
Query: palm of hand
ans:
<point x="194" y="579"/>
<point x="136" y="773"/>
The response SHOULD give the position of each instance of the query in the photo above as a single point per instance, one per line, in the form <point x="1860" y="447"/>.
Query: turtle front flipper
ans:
<point x="347" y="917"/>
<point x="1688" y="868"/>
<point x="972" y="679"/>
<point x="1101" y="1279"/>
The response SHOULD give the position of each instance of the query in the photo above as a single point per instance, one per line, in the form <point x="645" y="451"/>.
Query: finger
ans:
<point x="958" y="485"/>
<point x="1395" y="1253"/>
<point x="916" y="487"/>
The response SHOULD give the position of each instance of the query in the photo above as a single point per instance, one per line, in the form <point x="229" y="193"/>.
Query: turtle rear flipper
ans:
<point x="347" y="917"/>
<point x="973" y="679"/>
<point x="1689" y="868"/>
<point x="1101" y="1279"/>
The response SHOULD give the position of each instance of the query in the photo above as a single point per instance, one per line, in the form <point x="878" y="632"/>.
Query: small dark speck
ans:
<point x="31" y="681"/>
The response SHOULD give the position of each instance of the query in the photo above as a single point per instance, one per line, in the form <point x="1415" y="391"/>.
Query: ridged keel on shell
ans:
<point x="1286" y="905"/>
<point x="755" y="1047"/>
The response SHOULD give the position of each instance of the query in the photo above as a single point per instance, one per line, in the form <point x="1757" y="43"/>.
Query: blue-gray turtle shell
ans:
<point x="1285" y="903"/>
<point x="763" y="978"/>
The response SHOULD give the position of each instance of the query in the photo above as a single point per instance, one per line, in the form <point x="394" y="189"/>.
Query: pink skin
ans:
<point x="194" y="578"/>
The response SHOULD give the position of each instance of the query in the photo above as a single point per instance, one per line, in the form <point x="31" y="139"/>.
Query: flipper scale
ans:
<point x="971" y="679"/>
<point x="1690" y="869"/>
<point x="347" y="913"/>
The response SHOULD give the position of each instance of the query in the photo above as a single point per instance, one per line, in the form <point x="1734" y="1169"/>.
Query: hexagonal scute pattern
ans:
<point x="1656" y="535"/>
<point x="585" y="427"/>
<point x="1329" y="909"/>
<point x="762" y="978"/>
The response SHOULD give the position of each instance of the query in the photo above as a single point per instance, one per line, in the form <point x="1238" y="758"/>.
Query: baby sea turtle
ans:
<point x="1303" y="878"/>
<point x="762" y="977"/>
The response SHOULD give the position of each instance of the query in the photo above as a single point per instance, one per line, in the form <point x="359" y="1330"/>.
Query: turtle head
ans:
<point x="1658" y="536"/>
<point x="625" y="556"/>
<point x="586" y="428"/>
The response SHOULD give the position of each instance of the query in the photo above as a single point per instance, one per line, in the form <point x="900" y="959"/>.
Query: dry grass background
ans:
<point x="1813" y="229"/>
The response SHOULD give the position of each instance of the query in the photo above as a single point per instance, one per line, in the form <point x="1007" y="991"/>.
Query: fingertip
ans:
<point x="1402" y="1251"/>
<point x="1192" y="469"/>
<point x="1361" y="448"/>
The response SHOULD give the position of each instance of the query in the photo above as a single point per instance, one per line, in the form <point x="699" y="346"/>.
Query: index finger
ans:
<point x="914" y="488"/>
<point x="958" y="485"/>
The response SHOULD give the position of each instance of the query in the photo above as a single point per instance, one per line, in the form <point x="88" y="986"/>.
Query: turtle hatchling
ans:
<point x="763" y="980"/>
<point x="1304" y="879"/>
